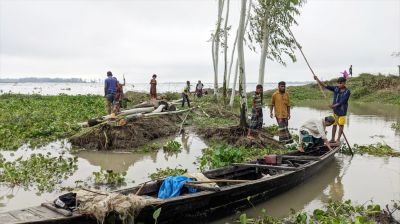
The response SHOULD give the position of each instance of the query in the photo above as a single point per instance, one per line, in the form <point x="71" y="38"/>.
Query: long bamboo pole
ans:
<point x="320" y="88"/>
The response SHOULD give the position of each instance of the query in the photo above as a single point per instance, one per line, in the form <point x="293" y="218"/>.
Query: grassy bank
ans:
<point x="36" y="119"/>
<point x="364" y="88"/>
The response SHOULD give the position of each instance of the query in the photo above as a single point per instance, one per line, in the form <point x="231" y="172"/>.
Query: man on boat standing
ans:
<point x="280" y="101"/>
<point x="110" y="89"/>
<point x="339" y="105"/>
<point x="312" y="133"/>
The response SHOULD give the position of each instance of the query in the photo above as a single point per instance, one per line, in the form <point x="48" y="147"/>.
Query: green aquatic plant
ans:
<point x="220" y="155"/>
<point x="333" y="212"/>
<point x="38" y="171"/>
<point x="378" y="149"/>
<point x="109" y="177"/>
<point x="396" y="126"/>
<point x="172" y="146"/>
<point x="150" y="147"/>
<point x="272" y="129"/>
<point x="37" y="120"/>
<point x="160" y="173"/>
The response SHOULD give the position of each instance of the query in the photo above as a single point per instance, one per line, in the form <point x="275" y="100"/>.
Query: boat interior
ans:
<point x="240" y="172"/>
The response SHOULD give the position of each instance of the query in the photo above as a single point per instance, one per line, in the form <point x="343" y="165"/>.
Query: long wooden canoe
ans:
<point x="263" y="182"/>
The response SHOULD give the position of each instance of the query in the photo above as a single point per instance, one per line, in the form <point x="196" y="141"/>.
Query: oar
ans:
<point x="351" y="151"/>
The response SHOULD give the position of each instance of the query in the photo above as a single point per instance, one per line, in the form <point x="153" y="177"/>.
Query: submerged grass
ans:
<point x="39" y="171"/>
<point x="333" y="212"/>
<point x="36" y="119"/>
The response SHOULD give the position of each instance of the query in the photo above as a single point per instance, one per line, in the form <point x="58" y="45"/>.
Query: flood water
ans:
<point x="360" y="178"/>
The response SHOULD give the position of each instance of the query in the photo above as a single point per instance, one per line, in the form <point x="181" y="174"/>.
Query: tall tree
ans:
<point x="224" y="85"/>
<point x="270" y="28"/>
<point x="215" y="45"/>
<point x="233" y="52"/>
<point x="242" y="70"/>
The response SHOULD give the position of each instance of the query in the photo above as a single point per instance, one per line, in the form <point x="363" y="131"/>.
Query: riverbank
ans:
<point x="366" y="126"/>
<point x="364" y="88"/>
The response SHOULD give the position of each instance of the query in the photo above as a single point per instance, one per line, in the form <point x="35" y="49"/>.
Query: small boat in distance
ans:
<point x="239" y="186"/>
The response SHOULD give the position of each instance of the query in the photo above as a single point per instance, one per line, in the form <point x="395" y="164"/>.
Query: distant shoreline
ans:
<point x="77" y="80"/>
<point x="45" y="80"/>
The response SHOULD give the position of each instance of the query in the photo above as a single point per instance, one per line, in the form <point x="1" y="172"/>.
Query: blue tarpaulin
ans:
<point x="172" y="185"/>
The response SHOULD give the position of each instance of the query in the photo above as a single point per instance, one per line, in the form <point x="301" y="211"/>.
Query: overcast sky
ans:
<point x="86" y="38"/>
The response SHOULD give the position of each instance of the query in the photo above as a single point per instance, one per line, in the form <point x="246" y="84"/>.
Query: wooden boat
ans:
<point x="261" y="183"/>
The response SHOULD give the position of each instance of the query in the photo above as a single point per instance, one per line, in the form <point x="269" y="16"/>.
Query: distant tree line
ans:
<point x="40" y="80"/>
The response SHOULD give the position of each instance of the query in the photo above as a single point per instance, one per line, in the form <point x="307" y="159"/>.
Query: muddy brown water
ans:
<point x="360" y="178"/>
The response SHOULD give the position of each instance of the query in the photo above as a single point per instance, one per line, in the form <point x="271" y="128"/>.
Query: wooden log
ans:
<point x="301" y="157"/>
<point x="57" y="210"/>
<point x="201" y="187"/>
<point x="159" y="109"/>
<point x="132" y="111"/>
<point x="163" y="113"/>
<point x="266" y="166"/>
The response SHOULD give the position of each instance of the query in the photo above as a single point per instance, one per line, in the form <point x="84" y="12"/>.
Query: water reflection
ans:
<point x="116" y="161"/>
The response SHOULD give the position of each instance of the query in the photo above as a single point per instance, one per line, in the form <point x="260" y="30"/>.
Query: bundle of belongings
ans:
<point x="173" y="186"/>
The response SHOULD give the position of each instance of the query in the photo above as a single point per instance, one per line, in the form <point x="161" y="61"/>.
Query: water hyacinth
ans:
<point x="36" y="119"/>
<point x="41" y="172"/>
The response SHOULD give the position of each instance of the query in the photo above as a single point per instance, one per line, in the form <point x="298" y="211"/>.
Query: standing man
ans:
<point x="110" y="89"/>
<point x="256" y="112"/>
<point x="199" y="89"/>
<point x="153" y="87"/>
<point x="339" y="105"/>
<point x="351" y="70"/>
<point x="185" y="94"/>
<point x="280" y="101"/>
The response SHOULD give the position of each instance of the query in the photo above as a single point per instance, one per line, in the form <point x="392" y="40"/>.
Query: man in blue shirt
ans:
<point x="110" y="89"/>
<point x="339" y="105"/>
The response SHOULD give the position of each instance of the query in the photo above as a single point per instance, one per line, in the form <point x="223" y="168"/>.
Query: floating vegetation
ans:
<point x="40" y="171"/>
<point x="160" y="173"/>
<point x="272" y="129"/>
<point x="150" y="147"/>
<point x="378" y="149"/>
<point x="36" y="119"/>
<point x="333" y="212"/>
<point x="396" y="126"/>
<point x="172" y="146"/>
<point x="109" y="177"/>
<point x="220" y="155"/>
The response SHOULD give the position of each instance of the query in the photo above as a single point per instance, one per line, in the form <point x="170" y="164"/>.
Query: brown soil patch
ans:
<point x="111" y="135"/>
<point x="236" y="135"/>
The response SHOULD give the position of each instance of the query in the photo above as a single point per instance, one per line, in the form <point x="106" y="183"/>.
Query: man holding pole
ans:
<point x="339" y="105"/>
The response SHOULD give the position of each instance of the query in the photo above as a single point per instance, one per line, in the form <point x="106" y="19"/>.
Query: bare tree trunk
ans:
<point x="242" y="70"/>
<point x="236" y="67"/>
<point x="234" y="84"/>
<point x="224" y="85"/>
<point x="264" y="51"/>
<point x="231" y="62"/>
<point x="216" y="46"/>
